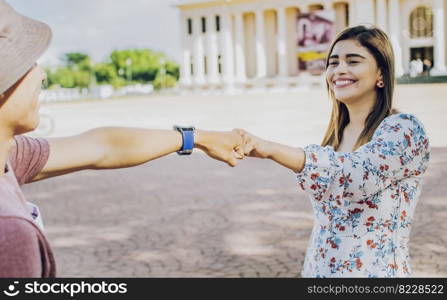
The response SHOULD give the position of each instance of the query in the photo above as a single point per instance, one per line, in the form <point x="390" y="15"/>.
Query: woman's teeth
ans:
<point x="343" y="82"/>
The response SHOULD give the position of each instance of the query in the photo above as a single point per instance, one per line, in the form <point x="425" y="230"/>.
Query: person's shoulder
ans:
<point x="403" y="119"/>
<point x="17" y="229"/>
<point x="402" y="122"/>
<point x="28" y="156"/>
<point x="22" y="255"/>
<point x="17" y="234"/>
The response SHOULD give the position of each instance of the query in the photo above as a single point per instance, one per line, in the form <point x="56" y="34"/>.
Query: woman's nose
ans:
<point x="341" y="68"/>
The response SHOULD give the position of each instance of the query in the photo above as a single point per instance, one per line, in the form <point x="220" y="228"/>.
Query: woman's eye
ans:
<point x="333" y="63"/>
<point x="353" y="62"/>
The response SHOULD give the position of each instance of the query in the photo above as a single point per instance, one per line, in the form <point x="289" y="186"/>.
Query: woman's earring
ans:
<point x="380" y="84"/>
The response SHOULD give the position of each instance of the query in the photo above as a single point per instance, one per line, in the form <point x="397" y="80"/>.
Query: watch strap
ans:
<point x="187" y="139"/>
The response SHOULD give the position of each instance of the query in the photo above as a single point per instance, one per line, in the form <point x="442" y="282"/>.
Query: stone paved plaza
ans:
<point x="195" y="217"/>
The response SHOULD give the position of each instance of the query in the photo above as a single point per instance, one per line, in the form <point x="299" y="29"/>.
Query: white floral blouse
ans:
<point x="364" y="202"/>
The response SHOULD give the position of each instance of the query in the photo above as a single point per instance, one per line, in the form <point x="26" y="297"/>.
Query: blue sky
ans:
<point x="99" y="26"/>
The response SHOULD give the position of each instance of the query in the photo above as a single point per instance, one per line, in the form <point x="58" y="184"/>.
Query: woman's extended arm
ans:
<point x="399" y="149"/>
<point x="289" y="157"/>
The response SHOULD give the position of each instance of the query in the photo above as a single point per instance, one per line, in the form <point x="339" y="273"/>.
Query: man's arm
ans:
<point x="119" y="147"/>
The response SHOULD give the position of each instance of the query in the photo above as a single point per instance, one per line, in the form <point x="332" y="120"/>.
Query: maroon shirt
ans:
<point x="24" y="250"/>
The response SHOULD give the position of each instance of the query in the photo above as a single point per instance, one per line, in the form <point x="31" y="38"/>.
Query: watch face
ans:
<point x="185" y="152"/>
<point x="181" y="128"/>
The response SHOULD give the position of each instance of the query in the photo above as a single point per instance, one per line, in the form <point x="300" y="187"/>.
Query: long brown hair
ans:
<point x="378" y="44"/>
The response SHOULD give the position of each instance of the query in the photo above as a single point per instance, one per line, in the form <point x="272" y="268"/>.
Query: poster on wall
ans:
<point x="315" y="34"/>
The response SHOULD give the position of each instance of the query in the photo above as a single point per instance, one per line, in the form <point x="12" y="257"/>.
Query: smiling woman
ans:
<point x="359" y="73"/>
<point x="365" y="178"/>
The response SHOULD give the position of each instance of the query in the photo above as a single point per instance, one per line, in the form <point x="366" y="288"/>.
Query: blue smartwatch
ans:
<point x="188" y="139"/>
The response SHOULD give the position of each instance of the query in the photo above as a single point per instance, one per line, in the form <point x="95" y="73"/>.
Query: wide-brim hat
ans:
<point x="22" y="41"/>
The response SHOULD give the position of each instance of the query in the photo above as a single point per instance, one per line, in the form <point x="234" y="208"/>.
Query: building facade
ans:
<point x="281" y="43"/>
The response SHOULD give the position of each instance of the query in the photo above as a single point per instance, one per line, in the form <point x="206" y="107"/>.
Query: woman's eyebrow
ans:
<point x="335" y="56"/>
<point x="354" y="55"/>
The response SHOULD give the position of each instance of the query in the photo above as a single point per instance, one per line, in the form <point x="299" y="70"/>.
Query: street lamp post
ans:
<point x="163" y="72"/>
<point x="129" y="69"/>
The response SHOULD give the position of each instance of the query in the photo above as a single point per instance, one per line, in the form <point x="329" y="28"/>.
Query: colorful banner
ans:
<point x="315" y="34"/>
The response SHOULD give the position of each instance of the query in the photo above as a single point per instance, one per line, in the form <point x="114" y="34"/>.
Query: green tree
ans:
<point x="163" y="81"/>
<point x="105" y="73"/>
<point x="136" y="65"/>
<point x="173" y="69"/>
<point x="63" y="77"/>
<point x="68" y="78"/>
<point x="118" y="82"/>
<point x="77" y="60"/>
<point x="124" y="67"/>
<point x="82" y="78"/>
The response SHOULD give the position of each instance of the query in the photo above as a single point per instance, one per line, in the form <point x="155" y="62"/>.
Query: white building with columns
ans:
<point x="253" y="43"/>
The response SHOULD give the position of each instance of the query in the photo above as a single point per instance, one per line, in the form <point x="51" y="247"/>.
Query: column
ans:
<point x="227" y="49"/>
<point x="381" y="13"/>
<point x="366" y="11"/>
<point x="186" y="52"/>
<point x="250" y="44"/>
<point x="439" y="34"/>
<point x="352" y="13"/>
<point x="271" y="43"/>
<point x="260" y="45"/>
<point x="394" y="26"/>
<point x="199" y="61"/>
<point x="212" y="46"/>
<point x="282" y="41"/>
<point x="291" y="16"/>
<point x="239" y="47"/>
<point x="340" y="16"/>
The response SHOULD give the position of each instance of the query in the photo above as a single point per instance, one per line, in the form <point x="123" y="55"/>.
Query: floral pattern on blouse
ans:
<point x="364" y="202"/>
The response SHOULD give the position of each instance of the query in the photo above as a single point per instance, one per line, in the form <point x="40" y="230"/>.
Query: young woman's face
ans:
<point x="352" y="72"/>
<point x="20" y="104"/>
